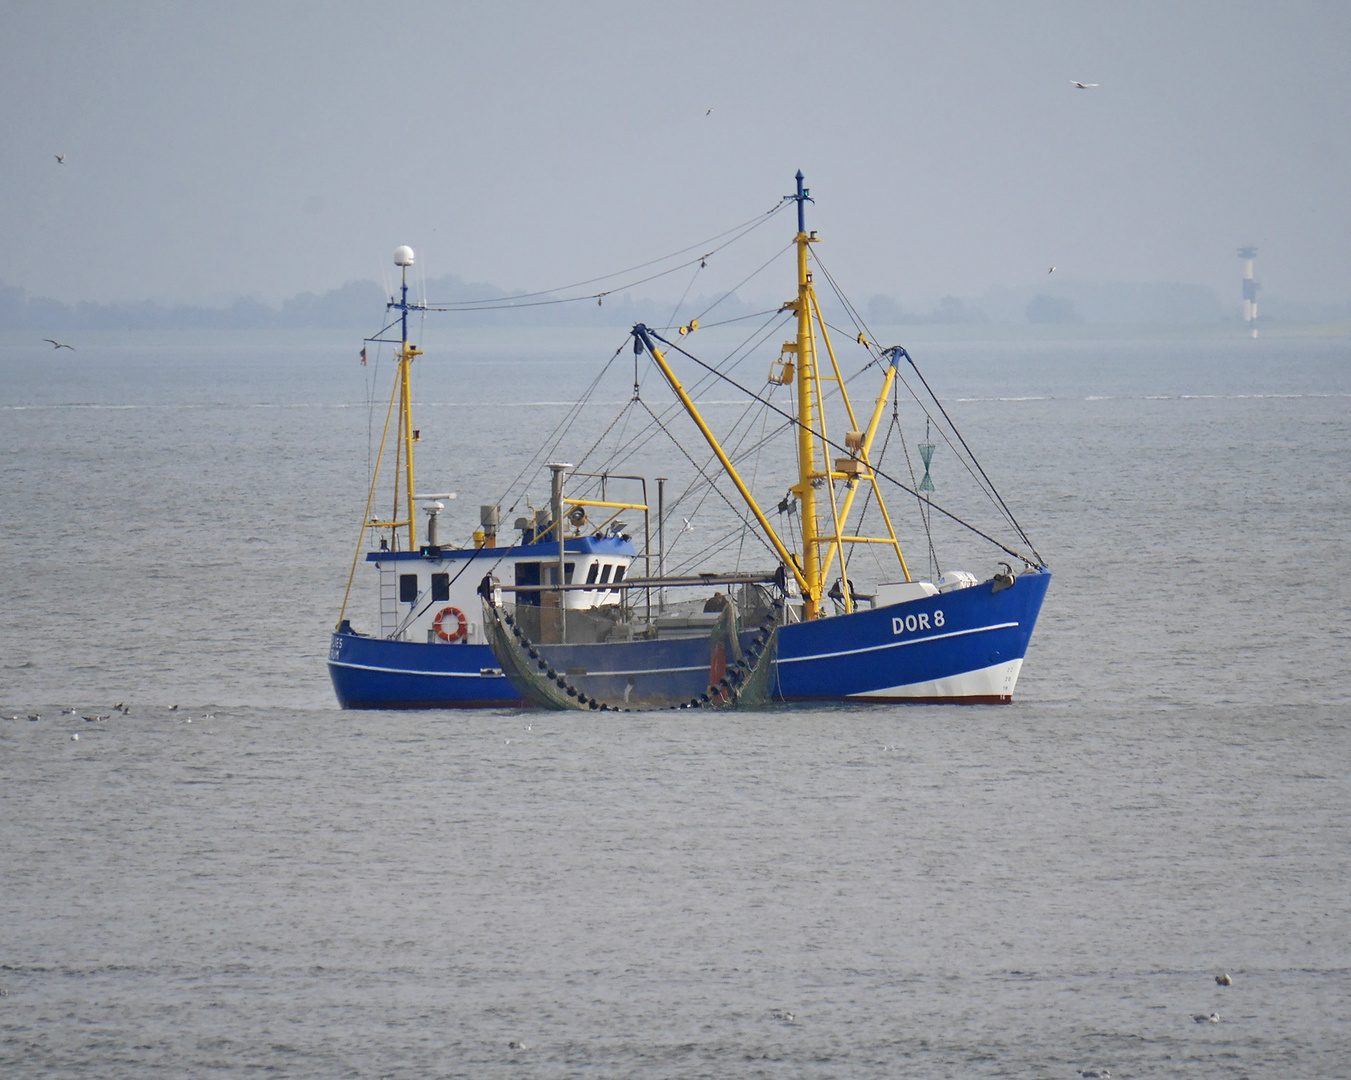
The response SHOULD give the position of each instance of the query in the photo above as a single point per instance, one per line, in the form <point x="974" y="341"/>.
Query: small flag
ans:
<point x="363" y="356"/>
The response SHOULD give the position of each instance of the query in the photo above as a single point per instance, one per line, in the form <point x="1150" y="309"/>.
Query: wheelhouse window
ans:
<point x="591" y="573"/>
<point x="527" y="573"/>
<point x="605" y="574"/>
<point x="440" y="587"/>
<point x="619" y="573"/>
<point x="407" y="588"/>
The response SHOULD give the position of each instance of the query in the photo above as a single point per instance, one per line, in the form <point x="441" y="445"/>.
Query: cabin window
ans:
<point x="440" y="587"/>
<point x="527" y="573"/>
<point x="549" y="573"/>
<point x="619" y="573"/>
<point x="605" y="574"/>
<point x="591" y="574"/>
<point x="407" y="588"/>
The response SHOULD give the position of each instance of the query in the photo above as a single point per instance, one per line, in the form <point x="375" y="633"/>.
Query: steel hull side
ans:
<point x="371" y="673"/>
<point x="959" y="647"/>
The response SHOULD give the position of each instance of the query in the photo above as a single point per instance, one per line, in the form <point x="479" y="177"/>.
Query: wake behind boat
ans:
<point x="579" y="609"/>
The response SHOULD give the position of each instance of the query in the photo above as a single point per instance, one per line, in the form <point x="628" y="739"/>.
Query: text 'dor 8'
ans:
<point x="910" y="624"/>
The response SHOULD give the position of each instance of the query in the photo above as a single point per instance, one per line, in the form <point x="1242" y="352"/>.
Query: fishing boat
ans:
<point x="580" y="609"/>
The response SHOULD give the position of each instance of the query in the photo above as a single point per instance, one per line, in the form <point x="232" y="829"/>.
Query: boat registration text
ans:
<point x="910" y="623"/>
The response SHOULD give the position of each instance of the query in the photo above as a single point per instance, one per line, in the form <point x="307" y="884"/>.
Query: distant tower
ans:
<point x="1250" y="287"/>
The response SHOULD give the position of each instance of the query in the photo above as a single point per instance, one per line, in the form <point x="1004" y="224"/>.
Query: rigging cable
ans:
<point x="712" y="485"/>
<point x="495" y="303"/>
<point x="674" y="408"/>
<point x="830" y="442"/>
<point x="764" y="424"/>
<point x="972" y="465"/>
<point x="693" y="278"/>
<point x="641" y="437"/>
<point x="560" y="429"/>
<point x="974" y="460"/>
<point x="759" y="270"/>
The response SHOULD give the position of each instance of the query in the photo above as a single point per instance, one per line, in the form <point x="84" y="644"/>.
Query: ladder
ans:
<point x="389" y="601"/>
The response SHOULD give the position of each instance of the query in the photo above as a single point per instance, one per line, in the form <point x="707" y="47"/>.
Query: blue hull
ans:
<point x="370" y="673"/>
<point x="965" y="646"/>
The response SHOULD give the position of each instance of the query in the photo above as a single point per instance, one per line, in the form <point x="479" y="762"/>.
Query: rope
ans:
<point x="728" y="322"/>
<point x="973" y="465"/>
<point x="877" y="472"/>
<point x="974" y="461"/>
<point x="748" y="277"/>
<point x="493" y="303"/>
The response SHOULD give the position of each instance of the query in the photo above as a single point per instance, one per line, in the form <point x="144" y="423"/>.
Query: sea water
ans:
<point x="254" y="882"/>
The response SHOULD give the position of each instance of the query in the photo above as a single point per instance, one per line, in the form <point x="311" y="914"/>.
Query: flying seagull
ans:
<point x="60" y="158"/>
<point x="709" y="113"/>
<point x="59" y="345"/>
<point x="1083" y="85"/>
<point x="1051" y="271"/>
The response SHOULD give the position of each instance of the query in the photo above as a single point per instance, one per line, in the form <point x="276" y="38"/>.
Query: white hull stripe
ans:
<point x="477" y="675"/>
<point x="895" y="644"/>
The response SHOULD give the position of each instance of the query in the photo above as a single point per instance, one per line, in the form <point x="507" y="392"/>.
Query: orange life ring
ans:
<point x="461" y="629"/>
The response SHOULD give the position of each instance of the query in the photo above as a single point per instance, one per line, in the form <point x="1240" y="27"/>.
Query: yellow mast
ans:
<point x="799" y="364"/>
<point x="406" y="410"/>
<point x="814" y="476"/>
<point x="403" y="259"/>
<point x="403" y="454"/>
<point x="808" y="474"/>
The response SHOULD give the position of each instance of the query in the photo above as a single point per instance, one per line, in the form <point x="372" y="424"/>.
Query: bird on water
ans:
<point x="1223" y="980"/>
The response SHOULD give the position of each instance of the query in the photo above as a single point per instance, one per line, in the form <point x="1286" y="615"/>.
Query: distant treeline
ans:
<point x="1067" y="301"/>
<point x="359" y="305"/>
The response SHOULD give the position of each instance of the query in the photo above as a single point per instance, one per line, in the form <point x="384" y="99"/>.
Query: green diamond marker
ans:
<point x="926" y="453"/>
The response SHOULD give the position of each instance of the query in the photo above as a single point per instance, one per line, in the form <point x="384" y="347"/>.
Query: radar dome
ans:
<point x="403" y="256"/>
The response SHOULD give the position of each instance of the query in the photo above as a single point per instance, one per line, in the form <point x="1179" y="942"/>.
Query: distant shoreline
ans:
<point x="449" y="330"/>
<point x="1072" y="310"/>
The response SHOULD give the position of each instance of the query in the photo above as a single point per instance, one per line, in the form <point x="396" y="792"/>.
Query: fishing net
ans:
<point x="616" y="674"/>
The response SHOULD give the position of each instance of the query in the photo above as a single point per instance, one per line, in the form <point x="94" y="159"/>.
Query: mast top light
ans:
<point x="403" y="256"/>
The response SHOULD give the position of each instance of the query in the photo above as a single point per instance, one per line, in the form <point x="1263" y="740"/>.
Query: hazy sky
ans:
<point x="219" y="149"/>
